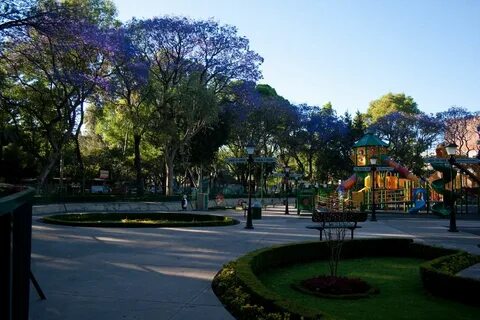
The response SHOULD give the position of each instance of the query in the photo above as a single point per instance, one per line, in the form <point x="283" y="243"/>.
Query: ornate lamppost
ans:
<point x="451" y="151"/>
<point x="287" y="175"/>
<point x="373" y="168"/>
<point x="250" y="150"/>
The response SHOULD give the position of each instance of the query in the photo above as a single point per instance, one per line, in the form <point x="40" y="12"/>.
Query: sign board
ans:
<point x="384" y="169"/>
<point x="265" y="160"/>
<point x="458" y="160"/>
<point x="257" y="160"/>
<point x="368" y="169"/>
<point x="467" y="160"/>
<point x="104" y="174"/>
<point x="361" y="169"/>
<point x="436" y="160"/>
<point x="237" y="160"/>
<point x="291" y="175"/>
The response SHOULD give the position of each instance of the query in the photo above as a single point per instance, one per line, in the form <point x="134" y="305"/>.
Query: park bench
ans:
<point x="336" y="220"/>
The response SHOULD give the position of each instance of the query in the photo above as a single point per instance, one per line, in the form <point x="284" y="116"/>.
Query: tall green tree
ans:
<point x="358" y="126"/>
<point x="409" y="136"/>
<point x="390" y="103"/>
<point x="131" y="96"/>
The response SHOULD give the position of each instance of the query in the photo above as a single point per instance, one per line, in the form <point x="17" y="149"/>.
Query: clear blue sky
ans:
<point x="351" y="52"/>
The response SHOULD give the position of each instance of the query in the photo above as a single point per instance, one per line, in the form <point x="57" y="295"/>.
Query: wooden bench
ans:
<point x="336" y="220"/>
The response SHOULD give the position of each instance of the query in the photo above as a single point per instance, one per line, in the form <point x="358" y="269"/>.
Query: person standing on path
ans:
<point x="184" y="203"/>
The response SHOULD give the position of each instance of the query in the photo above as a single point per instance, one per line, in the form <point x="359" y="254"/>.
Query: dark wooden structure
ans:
<point x="337" y="220"/>
<point x="15" y="249"/>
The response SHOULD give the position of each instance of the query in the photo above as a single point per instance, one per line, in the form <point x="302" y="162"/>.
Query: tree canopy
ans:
<point x="390" y="103"/>
<point x="162" y="102"/>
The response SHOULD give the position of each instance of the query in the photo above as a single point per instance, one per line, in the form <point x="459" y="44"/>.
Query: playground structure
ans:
<point x="396" y="188"/>
<point x="456" y="180"/>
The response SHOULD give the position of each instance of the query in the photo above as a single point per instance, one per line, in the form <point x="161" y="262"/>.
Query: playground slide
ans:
<point x="419" y="205"/>
<point x="419" y="196"/>
<point x="401" y="170"/>
<point x="347" y="184"/>
<point x="465" y="171"/>
<point x="439" y="186"/>
<point x="350" y="182"/>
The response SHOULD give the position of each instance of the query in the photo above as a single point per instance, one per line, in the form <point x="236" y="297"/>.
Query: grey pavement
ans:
<point x="166" y="273"/>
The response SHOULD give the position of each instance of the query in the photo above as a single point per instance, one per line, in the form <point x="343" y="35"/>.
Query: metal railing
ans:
<point x="15" y="249"/>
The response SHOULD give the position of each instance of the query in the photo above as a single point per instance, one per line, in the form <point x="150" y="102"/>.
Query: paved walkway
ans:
<point x="166" y="273"/>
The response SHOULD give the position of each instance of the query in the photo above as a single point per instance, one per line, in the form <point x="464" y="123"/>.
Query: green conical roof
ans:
<point x="369" y="140"/>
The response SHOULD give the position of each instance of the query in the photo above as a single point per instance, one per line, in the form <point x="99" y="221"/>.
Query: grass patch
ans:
<point x="401" y="295"/>
<point x="136" y="220"/>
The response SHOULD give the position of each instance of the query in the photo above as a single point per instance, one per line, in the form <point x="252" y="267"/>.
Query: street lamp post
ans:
<point x="250" y="150"/>
<point x="373" y="168"/>
<point x="287" y="175"/>
<point x="451" y="150"/>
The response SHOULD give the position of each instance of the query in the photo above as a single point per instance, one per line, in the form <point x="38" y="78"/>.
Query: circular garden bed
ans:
<point x="139" y="220"/>
<point x="411" y="281"/>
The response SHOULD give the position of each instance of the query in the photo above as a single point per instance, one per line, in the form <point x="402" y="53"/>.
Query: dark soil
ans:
<point x="336" y="285"/>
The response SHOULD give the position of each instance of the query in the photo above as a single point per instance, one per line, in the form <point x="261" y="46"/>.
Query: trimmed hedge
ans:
<point x="139" y="220"/>
<point x="56" y="198"/>
<point x="243" y="281"/>
<point x="439" y="277"/>
<point x="238" y="299"/>
<point x="221" y="208"/>
<point x="113" y="197"/>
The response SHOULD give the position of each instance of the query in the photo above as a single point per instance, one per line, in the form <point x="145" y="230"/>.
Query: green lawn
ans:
<point x="401" y="293"/>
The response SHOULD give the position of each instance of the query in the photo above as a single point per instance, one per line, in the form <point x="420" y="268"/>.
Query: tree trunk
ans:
<point x="81" y="165"/>
<point x="1" y="146"/>
<point x="310" y="167"/>
<point x="78" y="151"/>
<point x="53" y="158"/>
<point x="301" y="167"/>
<point x="138" y="163"/>
<point x="169" y="159"/>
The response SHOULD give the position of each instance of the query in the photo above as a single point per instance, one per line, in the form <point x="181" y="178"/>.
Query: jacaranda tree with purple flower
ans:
<point x="191" y="64"/>
<point x="460" y="127"/>
<point x="316" y="146"/>
<point x="52" y="74"/>
<point x="130" y="96"/>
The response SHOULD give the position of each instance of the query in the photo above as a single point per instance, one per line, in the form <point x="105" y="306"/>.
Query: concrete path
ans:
<point x="166" y="273"/>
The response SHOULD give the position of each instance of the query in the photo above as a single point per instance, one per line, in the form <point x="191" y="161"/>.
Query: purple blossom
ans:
<point x="178" y="46"/>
